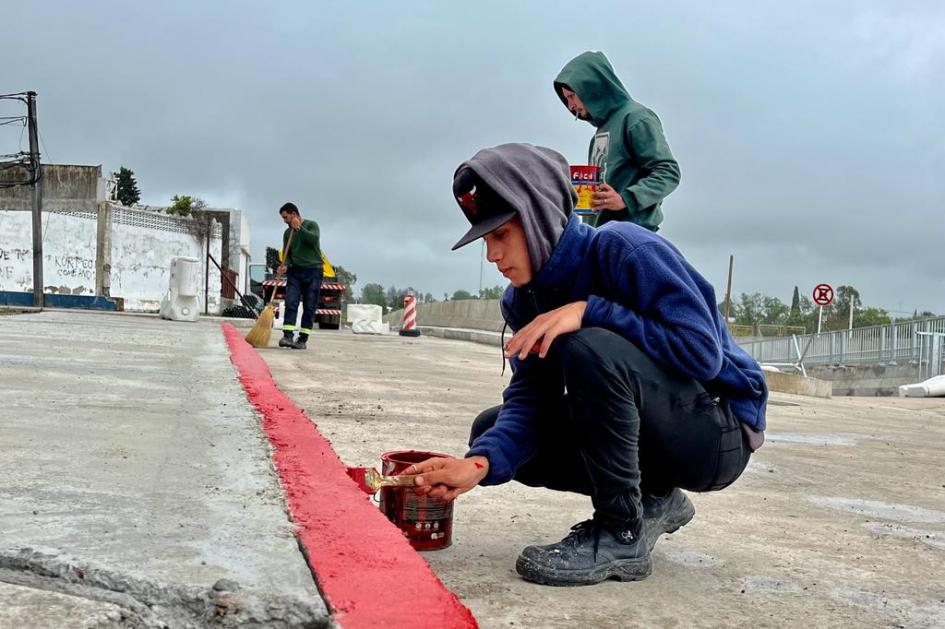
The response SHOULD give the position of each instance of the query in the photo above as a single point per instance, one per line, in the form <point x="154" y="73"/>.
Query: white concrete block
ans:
<point x="933" y="387"/>
<point x="364" y="312"/>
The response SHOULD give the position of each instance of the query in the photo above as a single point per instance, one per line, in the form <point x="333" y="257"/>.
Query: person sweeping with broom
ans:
<point x="302" y="267"/>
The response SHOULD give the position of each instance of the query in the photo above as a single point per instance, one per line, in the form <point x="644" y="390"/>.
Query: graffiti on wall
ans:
<point x="10" y="259"/>
<point x="75" y="266"/>
<point x="135" y="268"/>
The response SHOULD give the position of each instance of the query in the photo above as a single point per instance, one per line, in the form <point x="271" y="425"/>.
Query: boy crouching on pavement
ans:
<point x="627" y="386"/>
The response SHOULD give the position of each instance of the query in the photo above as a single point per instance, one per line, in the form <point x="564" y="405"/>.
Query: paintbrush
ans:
<point x="370" y="480"/>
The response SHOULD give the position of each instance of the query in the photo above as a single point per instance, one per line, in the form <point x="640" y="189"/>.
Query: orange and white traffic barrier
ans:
<point x="409" y="327"/>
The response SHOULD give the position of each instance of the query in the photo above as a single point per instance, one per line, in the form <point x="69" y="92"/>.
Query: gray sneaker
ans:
<point x="287" y="341"/>
<point x="591" y="553"/>
<point x="299" y="344"/>
<point x="667" y="514"/>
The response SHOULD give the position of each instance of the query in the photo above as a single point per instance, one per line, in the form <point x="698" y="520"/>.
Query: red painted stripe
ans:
<point x="369" y="574"/>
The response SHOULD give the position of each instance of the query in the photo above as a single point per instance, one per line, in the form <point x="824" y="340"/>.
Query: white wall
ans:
<point x="142" y="245"/>
<point x="68" y="252"/>
<point x="239" y="248"/>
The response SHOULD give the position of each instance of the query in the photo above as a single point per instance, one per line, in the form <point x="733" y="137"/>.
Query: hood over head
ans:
<point x="592" y="78"/>
<point x="530" y="181"/>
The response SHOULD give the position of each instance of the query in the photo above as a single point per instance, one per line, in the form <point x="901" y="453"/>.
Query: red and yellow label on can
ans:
<point x="585" y="181"/>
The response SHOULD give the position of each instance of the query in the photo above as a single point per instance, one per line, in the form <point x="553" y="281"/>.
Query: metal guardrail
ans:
<point x="765" y="329"/>
<point x="920" y="343"/>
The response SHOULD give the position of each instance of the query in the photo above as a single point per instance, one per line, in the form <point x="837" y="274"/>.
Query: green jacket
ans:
<point x="629" y="145"/>
<point x="306" y="249"/>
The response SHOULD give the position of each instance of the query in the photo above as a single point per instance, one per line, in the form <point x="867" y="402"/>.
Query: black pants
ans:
<point x="627" y="425"/>
<point x="302" y="284"/>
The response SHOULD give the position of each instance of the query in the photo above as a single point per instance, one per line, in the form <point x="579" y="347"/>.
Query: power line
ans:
<point x="7" y="120"/>
<point x="21" y="159"/>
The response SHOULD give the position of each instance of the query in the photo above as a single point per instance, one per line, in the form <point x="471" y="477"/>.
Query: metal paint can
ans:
<point x="585" y="180"/>
<point x="427" y="523"/>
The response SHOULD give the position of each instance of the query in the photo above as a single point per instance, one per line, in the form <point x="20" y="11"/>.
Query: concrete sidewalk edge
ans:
<point x="368" y="573"/>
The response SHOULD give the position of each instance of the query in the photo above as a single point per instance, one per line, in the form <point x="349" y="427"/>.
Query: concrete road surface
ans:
<point x="131" y="460"/>
<point x="838" y="522"/>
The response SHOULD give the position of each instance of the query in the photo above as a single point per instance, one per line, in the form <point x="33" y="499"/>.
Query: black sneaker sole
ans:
<point x="620" y="570"/>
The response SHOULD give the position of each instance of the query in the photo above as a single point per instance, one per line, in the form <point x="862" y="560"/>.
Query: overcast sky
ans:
<point x="810" y="135"/>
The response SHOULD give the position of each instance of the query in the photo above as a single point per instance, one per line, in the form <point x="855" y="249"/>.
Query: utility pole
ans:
<point x="728" y="291"/>
<point x="850" y="333"/>
<point x="482" y="256"/>
<point x="37" y="201"/>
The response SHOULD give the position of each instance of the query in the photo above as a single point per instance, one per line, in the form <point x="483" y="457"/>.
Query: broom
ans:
<point x="261" y="336"/>
<point x="261" y="333"/>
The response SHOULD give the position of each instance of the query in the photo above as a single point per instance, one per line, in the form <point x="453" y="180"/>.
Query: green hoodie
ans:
<point x="306" y="249"/>
<point x="629" y="145"/>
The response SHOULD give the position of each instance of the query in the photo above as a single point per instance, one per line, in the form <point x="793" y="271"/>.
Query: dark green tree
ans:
<point x="796" y="314"/>
<point x="845" y="296"/>
<point x="391" y="298"/>
<point x="373" y="294"/>
<point x="759" y="308"/>
<point x="347" y="278"/>
<point x="871" y="316"/>
<point x="186" y="205"/>
<point x="395" y="296"/>
<point x="796" y="304"/>
<point x="863" y="316"/>
<point x="837" y="312"/>
<point x="126" y="190"/>
<point x="808" y="316"/>
<point x="462" y="294"/>
<point x="494" y="292"/>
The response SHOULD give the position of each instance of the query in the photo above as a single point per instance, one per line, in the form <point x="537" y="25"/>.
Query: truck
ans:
<point x="264" y="284"/>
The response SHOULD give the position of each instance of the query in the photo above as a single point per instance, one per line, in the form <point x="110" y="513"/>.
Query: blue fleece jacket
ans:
<point x="637" y="285"/>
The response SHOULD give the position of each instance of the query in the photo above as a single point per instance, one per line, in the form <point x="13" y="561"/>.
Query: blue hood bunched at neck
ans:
<point x="636" y="284"/>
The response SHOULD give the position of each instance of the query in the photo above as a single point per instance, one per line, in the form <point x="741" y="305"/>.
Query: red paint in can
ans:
<point x="427" y="523"/>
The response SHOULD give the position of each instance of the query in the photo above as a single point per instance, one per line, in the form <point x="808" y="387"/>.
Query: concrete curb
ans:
<point x="463" y="334"/>
<point x="367" y="572"/>
<point x="149" y="603"/>
<point x="798" y="384"/>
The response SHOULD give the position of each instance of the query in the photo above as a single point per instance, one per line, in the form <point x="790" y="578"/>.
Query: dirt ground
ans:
<point x="839" y="520"/>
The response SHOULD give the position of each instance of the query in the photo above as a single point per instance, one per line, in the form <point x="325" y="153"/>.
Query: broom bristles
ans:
<point x="261" y="333"/>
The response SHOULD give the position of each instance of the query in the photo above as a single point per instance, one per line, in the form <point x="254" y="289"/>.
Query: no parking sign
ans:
<point x="823" y="294"/>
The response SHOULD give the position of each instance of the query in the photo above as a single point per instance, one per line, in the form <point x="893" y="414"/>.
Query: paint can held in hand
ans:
<point x="585" y="180"/>
<point x="427" y="523"/>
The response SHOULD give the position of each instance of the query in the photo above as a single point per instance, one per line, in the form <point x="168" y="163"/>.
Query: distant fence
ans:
<point x="921" y="343"/>
<point x="765" y="329"/>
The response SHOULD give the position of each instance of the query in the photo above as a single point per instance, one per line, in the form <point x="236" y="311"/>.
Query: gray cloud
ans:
<point x="810" y="137"/>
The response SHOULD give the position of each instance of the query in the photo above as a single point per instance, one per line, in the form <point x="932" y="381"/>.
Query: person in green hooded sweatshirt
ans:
<point x="637" y="168"/>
